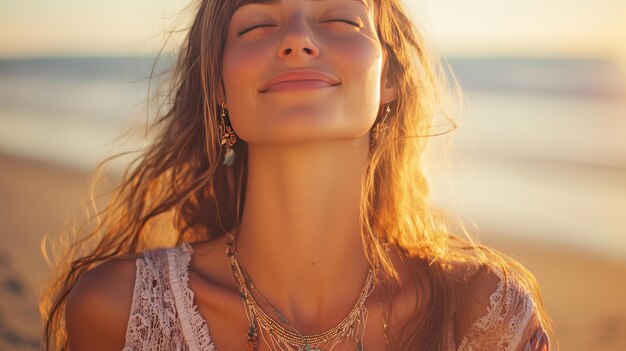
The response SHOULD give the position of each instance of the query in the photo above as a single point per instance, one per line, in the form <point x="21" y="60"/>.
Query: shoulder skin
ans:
<point x="474" y="300"/>
<point x="98" y="306"/>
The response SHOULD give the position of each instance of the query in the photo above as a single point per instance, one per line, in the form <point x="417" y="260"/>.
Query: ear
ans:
<point x="388" y="89"/>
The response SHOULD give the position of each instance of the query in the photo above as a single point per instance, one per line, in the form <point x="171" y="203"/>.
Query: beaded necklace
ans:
<point x="352" y="327"/>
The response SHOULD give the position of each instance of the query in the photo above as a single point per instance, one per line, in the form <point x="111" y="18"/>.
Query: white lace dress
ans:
<point x="163" y="315"/>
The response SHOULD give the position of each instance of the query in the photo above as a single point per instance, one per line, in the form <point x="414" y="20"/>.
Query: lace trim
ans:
<point x="525" y="318"/>
<point x="152" y="322"/>
<point x="194" y="326"/>
<point x="135" y="322"/>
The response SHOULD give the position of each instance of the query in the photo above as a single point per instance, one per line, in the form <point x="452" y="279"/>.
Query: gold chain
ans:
<point x="352" y="325"/>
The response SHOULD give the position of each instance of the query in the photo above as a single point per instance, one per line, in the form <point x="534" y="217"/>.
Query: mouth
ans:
<point x="298" y="85"/>
<point x="298" y="80"/>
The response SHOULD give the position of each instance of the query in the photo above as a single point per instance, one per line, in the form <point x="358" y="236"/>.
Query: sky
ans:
<point x="457" y="27"/>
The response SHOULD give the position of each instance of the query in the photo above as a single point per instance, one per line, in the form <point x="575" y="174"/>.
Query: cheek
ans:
<point x="239" y="67"/>
<point x="362" y="61"/>
<point x="362" y="68"/>
<point x="362" y="51"/>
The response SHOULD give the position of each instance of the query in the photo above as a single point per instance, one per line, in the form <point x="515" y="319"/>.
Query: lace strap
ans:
<point x="137" y="322"/>
<point x="195" y="329"/>
<point x="149" y="308"/>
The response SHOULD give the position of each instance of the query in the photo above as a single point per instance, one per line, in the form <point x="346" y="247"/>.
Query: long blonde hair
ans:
<point x="179" y="178"/>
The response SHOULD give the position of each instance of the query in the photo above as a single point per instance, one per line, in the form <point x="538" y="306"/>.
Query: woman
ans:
<point x="288" y="166"/>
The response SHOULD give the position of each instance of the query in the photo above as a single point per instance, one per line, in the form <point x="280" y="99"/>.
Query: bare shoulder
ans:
<point x="99" y="304"/>
<point x="475" y="290"/>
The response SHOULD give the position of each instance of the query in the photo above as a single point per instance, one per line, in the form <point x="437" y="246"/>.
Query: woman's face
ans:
<point x="334" y="37"/>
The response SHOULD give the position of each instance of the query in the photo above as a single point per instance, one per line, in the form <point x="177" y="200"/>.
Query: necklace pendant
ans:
<point x="359" y="346"/>
<point x="253" y="339"/>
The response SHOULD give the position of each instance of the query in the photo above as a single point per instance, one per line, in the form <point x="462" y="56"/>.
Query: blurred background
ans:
<point x="537" y="168"/>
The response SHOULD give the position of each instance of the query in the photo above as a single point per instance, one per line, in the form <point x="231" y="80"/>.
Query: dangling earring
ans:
<point x="228" y="137"/>
<point x="381" y="126"/>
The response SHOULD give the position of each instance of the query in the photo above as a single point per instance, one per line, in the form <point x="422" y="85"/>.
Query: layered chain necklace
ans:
<point x="281" y="334"/>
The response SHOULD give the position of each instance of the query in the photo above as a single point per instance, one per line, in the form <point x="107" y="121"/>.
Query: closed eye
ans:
<point x="345" y="21"/>
<point x="242" y="32"/>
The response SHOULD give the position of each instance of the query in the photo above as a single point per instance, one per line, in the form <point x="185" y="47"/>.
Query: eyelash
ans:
<point x="242" y="32"/>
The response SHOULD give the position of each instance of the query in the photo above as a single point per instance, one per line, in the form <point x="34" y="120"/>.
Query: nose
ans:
<point x="297" y="41"/>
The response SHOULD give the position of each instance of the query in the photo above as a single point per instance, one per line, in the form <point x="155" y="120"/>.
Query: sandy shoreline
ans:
<point x="583" y="292"/>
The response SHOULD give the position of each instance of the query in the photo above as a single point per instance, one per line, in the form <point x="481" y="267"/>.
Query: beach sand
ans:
<point x="584" y="293"/>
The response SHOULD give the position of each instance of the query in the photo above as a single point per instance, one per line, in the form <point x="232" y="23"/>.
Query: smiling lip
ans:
<point x="299" y="80"/>
<point x="298" y="85"/>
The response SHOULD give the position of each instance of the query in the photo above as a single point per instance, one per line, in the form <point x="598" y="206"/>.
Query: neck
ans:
<point x="299" y="236"/>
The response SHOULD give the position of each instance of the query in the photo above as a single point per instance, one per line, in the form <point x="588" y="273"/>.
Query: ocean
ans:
<point x="540" y="153"/>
